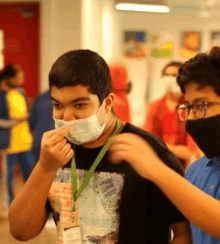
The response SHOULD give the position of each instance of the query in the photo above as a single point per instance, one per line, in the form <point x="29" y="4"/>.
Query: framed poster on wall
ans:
<point x="161" y="46"/>
<point x="135" y="44"/>
<point x="190" y="42"/>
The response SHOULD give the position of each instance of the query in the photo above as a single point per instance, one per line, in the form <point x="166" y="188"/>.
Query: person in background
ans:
<point x="162" y="120"/>
<point x="197" y="196"/>
<point x="15" y="136"/>
<point x="120" y="83"/>
<point x="40" y="120"/>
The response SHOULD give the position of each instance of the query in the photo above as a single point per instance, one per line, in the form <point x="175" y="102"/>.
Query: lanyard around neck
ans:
<point x="77" y="193"/>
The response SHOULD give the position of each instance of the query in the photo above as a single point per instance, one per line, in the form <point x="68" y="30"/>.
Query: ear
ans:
<point x="109" y="102"/>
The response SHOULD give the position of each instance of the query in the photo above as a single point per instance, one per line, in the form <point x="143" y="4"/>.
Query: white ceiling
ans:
<point x="201" y="8"/>
<point x="186" y="7"/>
<point x="183" y="3"/>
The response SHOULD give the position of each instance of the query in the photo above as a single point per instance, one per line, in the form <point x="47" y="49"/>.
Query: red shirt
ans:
<point x="170" y="127"/>
<point x="121" y="106"/>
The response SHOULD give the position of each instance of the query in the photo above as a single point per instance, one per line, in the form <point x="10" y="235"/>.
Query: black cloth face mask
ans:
<point x="206" y="134"/>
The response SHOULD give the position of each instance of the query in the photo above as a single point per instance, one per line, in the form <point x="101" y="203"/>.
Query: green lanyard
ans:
<point x="77" y="193"/>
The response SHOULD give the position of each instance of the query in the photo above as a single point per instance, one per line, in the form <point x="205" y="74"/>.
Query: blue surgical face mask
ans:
<point x="84" y="130"/>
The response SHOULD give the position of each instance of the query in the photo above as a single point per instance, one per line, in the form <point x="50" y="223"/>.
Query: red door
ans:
<point x="20" y="24"/>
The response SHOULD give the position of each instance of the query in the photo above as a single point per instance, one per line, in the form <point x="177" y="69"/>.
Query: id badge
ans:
<point x="72" y="235"/>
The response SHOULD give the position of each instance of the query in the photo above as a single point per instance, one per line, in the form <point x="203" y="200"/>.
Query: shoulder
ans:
<point x="154" y="106"/>
<point x="148" y="136"/>
<point x="20" y="91"/>
<point x="45" y="94"/>
<point x="155" y="142"/>
<point x="42" y="97"/>
<point x="158" y="145"/>
<point x="197" y="165"/>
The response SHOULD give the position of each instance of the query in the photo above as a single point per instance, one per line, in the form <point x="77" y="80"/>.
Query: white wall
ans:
<point x="111" y="31"/>
<point x="91" y="25"/>
<point x="60" y="32"/>
<point x="101" y="28"/>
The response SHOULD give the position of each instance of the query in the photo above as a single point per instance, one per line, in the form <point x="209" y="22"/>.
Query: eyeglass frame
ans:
<point x="189" y="107"/>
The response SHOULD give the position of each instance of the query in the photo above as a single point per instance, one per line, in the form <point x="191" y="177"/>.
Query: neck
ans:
<point x="109" y="129"/>
<point x="172" y="101"/>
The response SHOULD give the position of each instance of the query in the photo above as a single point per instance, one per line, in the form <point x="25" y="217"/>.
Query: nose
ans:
<point x="68" y="115"/>
<point x="191" y="115"/>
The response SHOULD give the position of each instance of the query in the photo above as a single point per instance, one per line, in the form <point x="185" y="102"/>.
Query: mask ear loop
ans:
<point x="106" y="115"/>
<point x="100" y="108"/>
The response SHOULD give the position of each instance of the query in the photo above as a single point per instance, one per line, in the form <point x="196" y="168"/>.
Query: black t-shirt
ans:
<point x="142" y="212"/>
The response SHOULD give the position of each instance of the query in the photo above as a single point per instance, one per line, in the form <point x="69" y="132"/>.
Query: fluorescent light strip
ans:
<point x="142" y="7"/>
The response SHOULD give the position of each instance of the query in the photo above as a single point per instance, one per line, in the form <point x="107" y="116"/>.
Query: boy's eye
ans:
<point x="79" y="105"/>
<point x="56" y="105"/>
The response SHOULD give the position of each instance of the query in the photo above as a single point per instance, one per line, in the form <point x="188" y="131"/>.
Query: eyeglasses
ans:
<point x="199" y="109"/>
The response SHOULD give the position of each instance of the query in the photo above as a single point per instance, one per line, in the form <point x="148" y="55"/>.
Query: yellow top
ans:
<point x="21" y="138"/>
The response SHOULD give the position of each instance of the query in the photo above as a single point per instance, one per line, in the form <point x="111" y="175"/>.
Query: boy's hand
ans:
<point x="137" y="152"/>
<point x="55" y="150"/>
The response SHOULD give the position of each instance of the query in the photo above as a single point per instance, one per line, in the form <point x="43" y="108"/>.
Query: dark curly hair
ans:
<point x="203" y="69"/>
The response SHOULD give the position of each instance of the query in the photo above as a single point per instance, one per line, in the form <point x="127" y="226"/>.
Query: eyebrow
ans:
<point x="74" y="100"/>
<point x="198" y="99"/>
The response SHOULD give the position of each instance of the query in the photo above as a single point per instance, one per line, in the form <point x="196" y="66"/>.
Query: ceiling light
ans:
<point x="142" y="7"/>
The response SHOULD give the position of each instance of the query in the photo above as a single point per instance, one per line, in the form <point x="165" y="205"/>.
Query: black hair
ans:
<point x="82" y="67"/>
<point x="9" y="71"/>
<point x="203" y="69"/>
<point x="173" y="63"/>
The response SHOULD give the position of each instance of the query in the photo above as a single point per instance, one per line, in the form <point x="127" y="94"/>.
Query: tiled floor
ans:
<point x="48" y="235"/>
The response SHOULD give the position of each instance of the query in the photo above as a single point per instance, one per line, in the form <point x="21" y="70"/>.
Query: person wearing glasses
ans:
<point x="197" y="196"/>
<point x="161" y="118"/>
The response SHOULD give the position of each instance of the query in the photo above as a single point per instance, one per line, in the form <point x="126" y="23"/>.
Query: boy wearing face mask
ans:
<point x="161" y="118"/>
<point x="198" y="197"/>
<point x="92" y="199"/>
